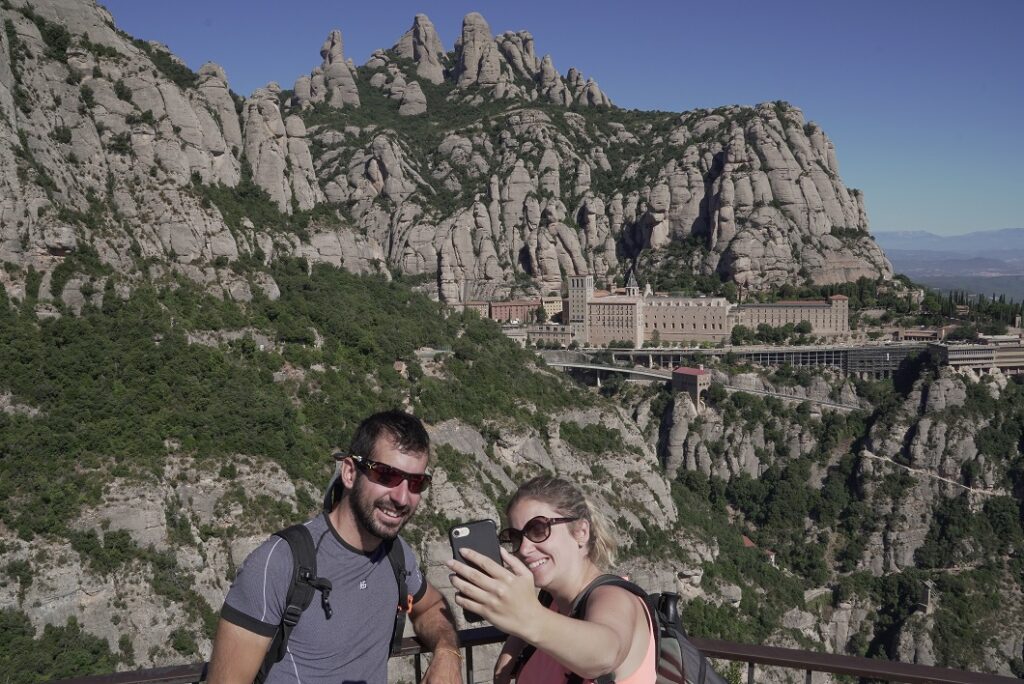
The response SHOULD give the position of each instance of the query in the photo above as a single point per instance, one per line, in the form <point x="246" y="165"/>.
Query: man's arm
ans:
<point x="237" y="654"/>
<point x="434" y="624"/>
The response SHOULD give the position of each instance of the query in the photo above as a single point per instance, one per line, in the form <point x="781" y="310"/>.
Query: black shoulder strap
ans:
<point x="579" y="608"/>
<point x="397" y="557"/>
<point x="529" y="649"/>
<point x="300" y="593"/>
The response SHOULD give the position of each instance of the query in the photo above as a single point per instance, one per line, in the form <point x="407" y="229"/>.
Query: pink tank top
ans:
<point x="543" y="669"/>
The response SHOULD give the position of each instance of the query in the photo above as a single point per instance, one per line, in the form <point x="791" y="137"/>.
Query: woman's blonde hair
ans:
<point x="570" y="502"/>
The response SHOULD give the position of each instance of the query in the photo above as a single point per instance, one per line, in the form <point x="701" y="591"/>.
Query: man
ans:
<point x="344" y="637"/>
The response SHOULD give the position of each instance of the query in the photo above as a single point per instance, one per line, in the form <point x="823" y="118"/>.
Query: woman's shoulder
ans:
<point x="615" y="600"/>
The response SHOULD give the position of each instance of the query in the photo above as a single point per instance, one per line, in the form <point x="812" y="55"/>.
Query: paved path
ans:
<point x="934" y="476"/>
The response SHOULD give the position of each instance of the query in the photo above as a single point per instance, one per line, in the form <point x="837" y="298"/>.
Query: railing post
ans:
<point x="750" y="672"/>
<point x="810" y="674"/>
<point x="469" y="665"/>
<point x="417" y="664"/>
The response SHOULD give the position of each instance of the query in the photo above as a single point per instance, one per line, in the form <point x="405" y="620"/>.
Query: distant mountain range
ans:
<point x="982" y="242"/>
<point x="986" y="262"/>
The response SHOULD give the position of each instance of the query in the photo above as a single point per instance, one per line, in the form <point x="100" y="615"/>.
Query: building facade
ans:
<point x="552" y="308"/>
<point x="686" y="319"/>
<point x="481" y="307"/>
<point x="549" y="333"/>
<point x="828" y="318"/>
<point x="515" y="311"/>
<point x="615" y="318"/>
<point x="597" y="319"/>
<point x="581" y="291"/>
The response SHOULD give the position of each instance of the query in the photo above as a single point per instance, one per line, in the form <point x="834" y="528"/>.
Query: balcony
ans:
<point x="805" y="662"/>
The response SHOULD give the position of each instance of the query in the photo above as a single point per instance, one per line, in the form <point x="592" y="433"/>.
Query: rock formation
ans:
<point x="278" y="152"/>
<point x="758" y="188"/>
<point x="422" y="45"/>
<point x="478" y="61"/>
<point x="333" y="82"/>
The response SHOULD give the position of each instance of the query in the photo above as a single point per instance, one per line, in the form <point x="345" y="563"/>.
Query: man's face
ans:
<point x="383" y="511"/>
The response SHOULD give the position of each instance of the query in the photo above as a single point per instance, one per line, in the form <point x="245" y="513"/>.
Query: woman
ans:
<point x="560" y="544"/>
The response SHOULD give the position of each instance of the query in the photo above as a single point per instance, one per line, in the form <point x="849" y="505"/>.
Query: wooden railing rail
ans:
<point x="807" y="661"/>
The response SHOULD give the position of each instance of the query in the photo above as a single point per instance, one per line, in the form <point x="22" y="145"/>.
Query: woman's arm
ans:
<point x="597" y="644"/>
<point x="590" y="647"/>
<point x="507" y="659"/>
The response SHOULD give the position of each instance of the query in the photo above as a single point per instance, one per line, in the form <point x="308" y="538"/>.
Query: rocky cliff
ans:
<point x="483" y="169"/>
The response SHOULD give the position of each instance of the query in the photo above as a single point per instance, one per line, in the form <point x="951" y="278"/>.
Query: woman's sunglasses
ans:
<point x="536" y="530"/>
<point x="388" y="476"/>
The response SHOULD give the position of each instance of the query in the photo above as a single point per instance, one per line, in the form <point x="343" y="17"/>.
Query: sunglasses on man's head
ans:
<point x="389" y="476"/>
<point x="537" y="529"/>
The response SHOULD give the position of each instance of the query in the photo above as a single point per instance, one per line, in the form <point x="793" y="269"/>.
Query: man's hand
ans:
<point x="445" y="667"/>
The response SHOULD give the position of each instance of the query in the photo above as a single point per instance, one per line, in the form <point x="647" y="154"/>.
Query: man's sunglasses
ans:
<point x="536" y="530"/>
<point x="388" y="476"/>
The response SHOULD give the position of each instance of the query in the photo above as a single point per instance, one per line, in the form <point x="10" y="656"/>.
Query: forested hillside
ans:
<point x="147" y="443"/>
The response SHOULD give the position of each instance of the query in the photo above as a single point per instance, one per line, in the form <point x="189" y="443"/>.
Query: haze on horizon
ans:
<point x="922" y="100"/>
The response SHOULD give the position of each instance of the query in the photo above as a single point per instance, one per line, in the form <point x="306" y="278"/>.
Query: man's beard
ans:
<point x="363" y="507"/>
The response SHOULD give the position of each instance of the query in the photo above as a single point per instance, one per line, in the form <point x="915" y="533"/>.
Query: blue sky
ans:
<point x="923" y="99"/>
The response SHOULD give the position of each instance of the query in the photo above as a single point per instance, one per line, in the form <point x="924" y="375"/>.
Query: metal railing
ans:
<point x="808" y="662"/>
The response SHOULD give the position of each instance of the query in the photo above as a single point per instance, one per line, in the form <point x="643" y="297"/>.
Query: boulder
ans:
<point x="413" y="100"/>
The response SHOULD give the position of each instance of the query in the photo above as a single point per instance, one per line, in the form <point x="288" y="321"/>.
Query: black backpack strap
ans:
<point x="529" y="649"/>
<point x="304" y="584"/>
<point x="396" y="555"/>
<point x="579" y="608"/>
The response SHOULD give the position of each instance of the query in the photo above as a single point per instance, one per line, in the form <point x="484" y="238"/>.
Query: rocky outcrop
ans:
<point x="333" y="82"/>
<point x="709" y="442"/>
<point x="413" y="100"/>
<point x="508" y="68"/>
<point x="930" y="442"/>
<point x="278" y="152"/>
<point x="518" y="50"/>
<point x="212" y="85"/>
<point x="392" y="82"/>
<point x="339" y="76"/>
<point x="478" y="61"/>
<point x="422" y="45"/>
<point x="585" y="92"/>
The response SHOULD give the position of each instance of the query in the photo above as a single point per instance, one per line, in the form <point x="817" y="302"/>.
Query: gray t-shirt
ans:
<point x="350" y="648"/>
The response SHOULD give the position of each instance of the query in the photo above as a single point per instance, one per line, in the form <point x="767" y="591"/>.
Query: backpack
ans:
<point x="305" y="583"/>
<point x="679" y="661"/>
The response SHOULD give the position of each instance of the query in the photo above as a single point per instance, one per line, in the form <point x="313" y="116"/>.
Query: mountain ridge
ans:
<point x="503" y="177"/>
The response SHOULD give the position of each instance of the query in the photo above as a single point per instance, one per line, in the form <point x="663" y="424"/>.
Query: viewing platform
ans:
<point x="804" y="663"/>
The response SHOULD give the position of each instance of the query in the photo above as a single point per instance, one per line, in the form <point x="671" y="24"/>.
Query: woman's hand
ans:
<point x="505" y="597"/>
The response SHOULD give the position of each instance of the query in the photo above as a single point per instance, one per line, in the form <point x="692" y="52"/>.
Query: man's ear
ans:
<point x="348" y="472"/>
